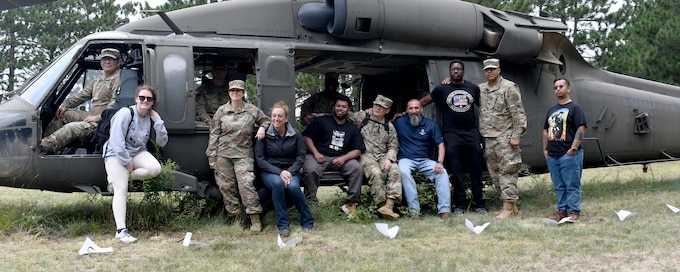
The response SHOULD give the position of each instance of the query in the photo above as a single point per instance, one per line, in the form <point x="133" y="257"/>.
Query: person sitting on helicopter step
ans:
<point x="382" y="145"/>
<point x="70" y="124"/>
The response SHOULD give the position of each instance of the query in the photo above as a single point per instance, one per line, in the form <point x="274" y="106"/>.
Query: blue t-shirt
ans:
<point x="417" y="142"/>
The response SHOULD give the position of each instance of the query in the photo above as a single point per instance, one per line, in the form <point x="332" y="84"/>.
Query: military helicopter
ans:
<point x="397" y="49"/>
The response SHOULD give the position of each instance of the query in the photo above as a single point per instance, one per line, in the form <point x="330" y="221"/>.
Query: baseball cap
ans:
<point x="237" y="84"/>
<point x="383" y="101"/>
<point x="491" y="63"/>
<point x="111" y="53"/>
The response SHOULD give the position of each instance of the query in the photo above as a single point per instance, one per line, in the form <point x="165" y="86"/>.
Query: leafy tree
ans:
<point x="650" y="45"/>
<point x="36" y="35"/>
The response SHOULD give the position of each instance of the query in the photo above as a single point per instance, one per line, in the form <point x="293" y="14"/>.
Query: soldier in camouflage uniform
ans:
<point x="502" y="123"/>
<point x="321" y="102"/>
<point x="230" y="152"/>
<point x="71" y="124"/>
<point x="212" y="94"/>
<point x="382" y="145"/>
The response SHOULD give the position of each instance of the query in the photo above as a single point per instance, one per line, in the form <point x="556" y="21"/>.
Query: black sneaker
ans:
<point x="284" y="232"/>
<point x="481" y="211"/>
<point x="458" y="212"/>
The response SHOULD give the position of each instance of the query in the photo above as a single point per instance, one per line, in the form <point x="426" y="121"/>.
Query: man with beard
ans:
<point x="417" y="136"/>
<point x="333" y="143"/>
<point x="459" y="103"/>
<point x="321" y="103"/>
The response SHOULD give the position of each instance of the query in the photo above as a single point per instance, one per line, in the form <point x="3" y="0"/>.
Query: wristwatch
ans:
<point x="574" y="149"/>
<point x="440" y="162"/>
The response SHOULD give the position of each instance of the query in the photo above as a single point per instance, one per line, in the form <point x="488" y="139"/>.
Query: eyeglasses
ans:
<point x="148" y="98"/>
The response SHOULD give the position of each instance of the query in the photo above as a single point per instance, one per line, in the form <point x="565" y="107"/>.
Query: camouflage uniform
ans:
<point x="70" y="126"/>
<point x="502" y="118"/>
<point x="208" y="98"/>
<point x="230" y="147"/>
<point x="380" y="145"/>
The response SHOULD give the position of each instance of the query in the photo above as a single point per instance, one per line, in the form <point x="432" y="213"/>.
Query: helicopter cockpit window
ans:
<point x="36" y="88"/>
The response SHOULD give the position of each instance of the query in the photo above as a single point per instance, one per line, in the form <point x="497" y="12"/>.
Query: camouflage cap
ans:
<point x="383" y="101"/>
<point x="111" y="53"/>
<point x="491" y="63"/>
<point x="237" y="84"/>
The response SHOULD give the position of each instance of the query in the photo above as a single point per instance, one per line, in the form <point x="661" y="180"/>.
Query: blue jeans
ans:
<point x="565" y="173"/>
<point x="441" y="182"/>
<point x="274" y="183"/>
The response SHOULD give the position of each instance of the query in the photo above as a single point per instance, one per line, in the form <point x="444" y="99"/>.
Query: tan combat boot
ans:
<point x="387" y="212"/>
<point x="509" y="210"/>
<point x="255" y="224"/>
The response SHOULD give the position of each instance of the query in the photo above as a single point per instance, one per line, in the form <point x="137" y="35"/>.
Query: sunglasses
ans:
<point x="148" y="98"/>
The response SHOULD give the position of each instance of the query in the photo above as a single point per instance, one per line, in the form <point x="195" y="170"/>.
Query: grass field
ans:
<point x="42" y="231"/>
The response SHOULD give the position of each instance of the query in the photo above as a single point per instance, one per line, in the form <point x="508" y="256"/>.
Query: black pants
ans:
<point x="461" y="159"/>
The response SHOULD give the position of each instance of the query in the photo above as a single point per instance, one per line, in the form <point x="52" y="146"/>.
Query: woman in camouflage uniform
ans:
<point x="230" y="152"/>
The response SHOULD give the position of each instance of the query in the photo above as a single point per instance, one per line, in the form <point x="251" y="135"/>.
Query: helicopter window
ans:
<point x="36" y="88"/>
<point x="175" y="78"/>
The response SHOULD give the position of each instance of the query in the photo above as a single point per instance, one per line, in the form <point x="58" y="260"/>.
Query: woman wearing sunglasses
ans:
<point x="125" y="153"/>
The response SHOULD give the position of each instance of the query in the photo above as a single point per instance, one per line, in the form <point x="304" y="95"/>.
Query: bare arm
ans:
<point x="545" y="143"/>
<point x="426" y="100"/>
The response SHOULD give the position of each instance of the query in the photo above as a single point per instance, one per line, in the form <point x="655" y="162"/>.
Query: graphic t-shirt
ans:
<point x="333" y="139"/>
<point x="459" y="106"/>
<point x="562" y="121"/>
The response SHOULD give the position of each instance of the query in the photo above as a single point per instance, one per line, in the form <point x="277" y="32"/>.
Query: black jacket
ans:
<point x="274" y="156"/>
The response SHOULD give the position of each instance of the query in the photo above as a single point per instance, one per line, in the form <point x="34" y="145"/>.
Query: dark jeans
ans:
<point x="274" y="183"/>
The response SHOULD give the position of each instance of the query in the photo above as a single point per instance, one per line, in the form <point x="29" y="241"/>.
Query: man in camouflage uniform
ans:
<point x="230" y="152"/>
<point x="212" y="94"/>
<point x="321" y="102"/>
<point x="71" y="124"/>
<point x="382" y="145"/>
<point x="502" y="123"/>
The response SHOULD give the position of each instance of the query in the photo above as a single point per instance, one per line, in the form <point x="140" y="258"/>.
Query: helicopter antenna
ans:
<point x="167" y="20"/>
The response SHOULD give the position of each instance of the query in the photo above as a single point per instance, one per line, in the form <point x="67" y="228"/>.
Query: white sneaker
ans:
<point x="124" y="237"/>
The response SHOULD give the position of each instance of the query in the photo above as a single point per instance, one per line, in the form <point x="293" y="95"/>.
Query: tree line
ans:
<point x="640" y="38"/>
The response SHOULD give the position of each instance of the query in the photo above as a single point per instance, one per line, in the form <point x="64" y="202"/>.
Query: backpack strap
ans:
<point x="368" y="118"/>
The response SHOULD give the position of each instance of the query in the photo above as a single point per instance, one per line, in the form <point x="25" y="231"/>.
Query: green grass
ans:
<point x="43" y="231"/>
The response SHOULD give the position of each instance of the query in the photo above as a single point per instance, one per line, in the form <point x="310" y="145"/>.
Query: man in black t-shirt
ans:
<point x="333" y="143"/>
<point x="563" y="132"/>
<point x="459" y="102"/>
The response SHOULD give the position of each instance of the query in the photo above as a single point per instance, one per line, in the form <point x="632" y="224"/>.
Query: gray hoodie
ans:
<point x="126" y="147"/>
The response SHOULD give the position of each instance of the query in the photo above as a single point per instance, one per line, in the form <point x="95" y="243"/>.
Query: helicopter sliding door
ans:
<point x="275" y="77"/>
<point x="174" y="82"/>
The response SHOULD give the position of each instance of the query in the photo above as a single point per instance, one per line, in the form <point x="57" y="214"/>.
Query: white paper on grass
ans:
<point x="673" y="208"/>
<point x="188" y="242"/>
<point x="554" y="222"/>
<point x="291" y="242"/>
<point x="90" y="247"/>
<point x="475" y="229"/>
<point x="389" y="232"/>
<point x="623" y="214"/>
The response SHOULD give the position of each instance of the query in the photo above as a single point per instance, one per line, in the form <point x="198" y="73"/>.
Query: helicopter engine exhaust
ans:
<point x="455" y="24"/>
